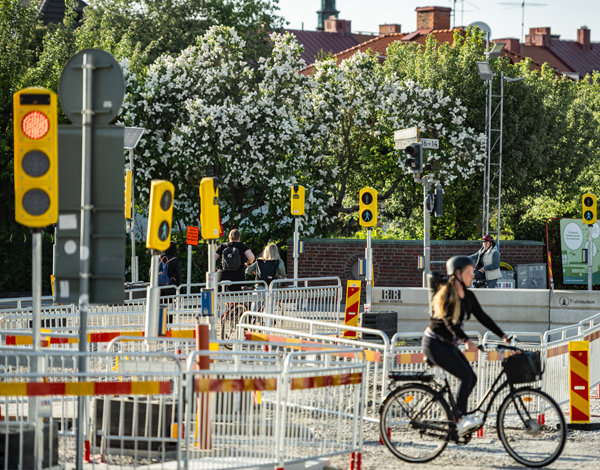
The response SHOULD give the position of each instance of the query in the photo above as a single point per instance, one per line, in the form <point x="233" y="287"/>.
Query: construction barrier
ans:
<point x="300" y="407"/>
<point x="304" y="334"/>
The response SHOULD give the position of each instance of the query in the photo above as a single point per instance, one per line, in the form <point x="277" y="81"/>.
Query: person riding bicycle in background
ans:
<point x="451" y="306"/>
<point x="487" y="262"/>
<point x="268" y="266"/>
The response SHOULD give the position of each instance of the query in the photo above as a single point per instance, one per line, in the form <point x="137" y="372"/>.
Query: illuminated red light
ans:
<point x="35" y="125"/>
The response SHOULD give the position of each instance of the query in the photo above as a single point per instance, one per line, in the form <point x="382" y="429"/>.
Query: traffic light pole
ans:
<point x="296" y="243"/>
<point x="153" y="298"/>
<point x="427" y="181"/>
<point x="37" y="363"/>
<point x="369" y="272"/>
<point x="213" y="284"/>
<point x="590" y="258"/>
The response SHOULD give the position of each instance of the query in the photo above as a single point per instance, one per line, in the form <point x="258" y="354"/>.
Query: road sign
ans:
<point x="410" y="133"/>
<point x="108" y="90"/>
<point x="108" y="218"/>
<point x="192" y="236"/>
<point x="433" y="144"/>
<point x="403" y="143"/>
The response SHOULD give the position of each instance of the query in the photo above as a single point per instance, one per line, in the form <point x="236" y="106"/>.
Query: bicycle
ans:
<point x="417" y="422"/>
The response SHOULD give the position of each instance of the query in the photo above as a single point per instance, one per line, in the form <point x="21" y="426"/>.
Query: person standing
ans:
<point x="173" y="270"/>
<point x="234" y="256"/>
<point x="487" y="262"/>
<point x="268" y="266"/>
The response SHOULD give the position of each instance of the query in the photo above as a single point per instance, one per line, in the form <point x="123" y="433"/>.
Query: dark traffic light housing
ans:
<point x="414" y="153"/>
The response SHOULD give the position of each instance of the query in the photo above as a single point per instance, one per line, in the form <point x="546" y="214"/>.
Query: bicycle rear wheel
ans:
<point x="531" y="427"/>
<point x="414" y="424"/>
<point x="229" y="322"/>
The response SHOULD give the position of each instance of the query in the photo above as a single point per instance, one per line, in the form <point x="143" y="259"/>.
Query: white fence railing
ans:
<point x="251" y="408"/>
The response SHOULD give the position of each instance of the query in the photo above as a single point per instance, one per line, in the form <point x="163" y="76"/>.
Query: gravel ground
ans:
<point x="582" y="451"/>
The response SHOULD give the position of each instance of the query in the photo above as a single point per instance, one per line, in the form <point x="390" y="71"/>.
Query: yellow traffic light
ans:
<point x="298" y="200"/>
<point x="367" y="207"/>
<point x="160" y="215"/>
<point x="36" y="157"/>
<point x="128" y="194"/>
<point x="589" y="208"/>
<point x="210" y="220"/>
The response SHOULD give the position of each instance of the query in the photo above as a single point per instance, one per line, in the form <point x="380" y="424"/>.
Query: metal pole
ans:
<point x="500" y="157"/>
<point x="590" y="257"/>
<point x="37" y="363"/>
<point x="483" y="211"/>
<point x="188" y="289"/>
<point x="134" y="267"/>
<point x="153" y="298"/>
<point x="489" y="161"/>
<point x="369" y="274"/>
<point x="426" y="232"/>
<point x="212" y="283"/>
<point x="296" y="243"/>
<point x="84" y="246"/>
<point x="54" y="258"/>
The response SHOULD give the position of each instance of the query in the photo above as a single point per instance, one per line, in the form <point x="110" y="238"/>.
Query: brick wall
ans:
<point x="395" y="261"/>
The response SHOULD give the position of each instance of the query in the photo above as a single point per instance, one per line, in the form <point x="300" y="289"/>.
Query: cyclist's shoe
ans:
<point x="467" y="424"/>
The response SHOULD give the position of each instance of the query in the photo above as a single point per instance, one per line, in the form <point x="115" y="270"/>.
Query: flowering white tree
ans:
<point x="265" y="127"/>
<point x="359" y="106"/>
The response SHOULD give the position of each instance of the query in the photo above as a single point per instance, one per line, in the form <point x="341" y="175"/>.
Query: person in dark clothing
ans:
<point x="452" y="305"/>
<point x="173" y="271"/>
<point x="235" y="256"/>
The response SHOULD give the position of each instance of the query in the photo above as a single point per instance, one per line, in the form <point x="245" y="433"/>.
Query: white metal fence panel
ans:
<point x="304" y="333"/>
<point x="311" y="299"/>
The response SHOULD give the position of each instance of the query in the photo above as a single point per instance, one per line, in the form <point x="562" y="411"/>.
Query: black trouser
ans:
<point x="450" y="359"/>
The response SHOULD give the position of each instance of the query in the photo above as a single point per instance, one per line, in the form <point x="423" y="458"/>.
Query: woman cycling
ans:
<point x="452" y="305"/>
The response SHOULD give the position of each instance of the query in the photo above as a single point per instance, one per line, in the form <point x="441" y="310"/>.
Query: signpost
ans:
<point x="410" y="141"/>
<point x="191" y="240"/>
<point x="91" y="90"/>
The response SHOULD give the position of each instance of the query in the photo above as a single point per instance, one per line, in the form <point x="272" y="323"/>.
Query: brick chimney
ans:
<point x="333" y="25"/>
<point x="538" y="37"/>
<point x="433" y="17"/>
<point x="583" y="38"/>
<point x="512" y="44"/>
<point x="390" y="28"/>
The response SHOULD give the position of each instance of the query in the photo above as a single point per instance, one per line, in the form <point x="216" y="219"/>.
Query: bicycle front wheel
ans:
<point x="531" y="427"/>
<point x="414" y="423"/>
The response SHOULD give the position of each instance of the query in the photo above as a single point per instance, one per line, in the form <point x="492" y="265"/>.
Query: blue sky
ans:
<point x="563" y="16"/>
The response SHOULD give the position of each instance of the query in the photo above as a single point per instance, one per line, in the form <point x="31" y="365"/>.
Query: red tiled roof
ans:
<point x="541" y="55"/>
<point x="380" y="44"/>
<point x="578" y="59"/>
<point x="315" y="41"/>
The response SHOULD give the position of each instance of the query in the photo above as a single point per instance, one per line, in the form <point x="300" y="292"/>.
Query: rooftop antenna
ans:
<point x="522" y="6"/>
<point x="462" y="11"/>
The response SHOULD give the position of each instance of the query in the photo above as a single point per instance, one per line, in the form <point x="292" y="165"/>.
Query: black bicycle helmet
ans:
<point x="458" y="262"/>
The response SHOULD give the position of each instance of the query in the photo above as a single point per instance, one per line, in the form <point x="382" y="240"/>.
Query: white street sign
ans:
<point x="401" y="144"/>
<point x="409" y="133"/>
<point x="433" y="144"/>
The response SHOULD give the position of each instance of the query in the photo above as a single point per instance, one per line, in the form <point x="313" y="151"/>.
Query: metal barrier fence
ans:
<point x="298" y="407"/>
<point x="253" y="327"/>
<point x="301" y="298"/>
<point x="252" y="407"/>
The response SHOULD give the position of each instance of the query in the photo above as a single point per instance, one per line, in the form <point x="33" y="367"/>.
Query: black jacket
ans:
<point x="469" y="305"/>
